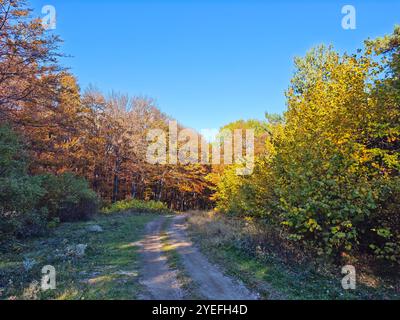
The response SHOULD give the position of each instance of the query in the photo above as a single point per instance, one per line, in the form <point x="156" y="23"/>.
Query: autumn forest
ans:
<point x="325" y="181"/>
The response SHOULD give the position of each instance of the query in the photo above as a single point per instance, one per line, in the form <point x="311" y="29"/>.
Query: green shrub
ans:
<point x="13" y="178"/>
<point x="20" y="193"/>
<point x="24" y="225"/>
<point x="68" y="198"/>
<point x="29" y="205"/>
<point x="20" y="215"/>
<point x="21" y="222"/>
<point x="137" y="205"/>
<point x="12" y="159"/>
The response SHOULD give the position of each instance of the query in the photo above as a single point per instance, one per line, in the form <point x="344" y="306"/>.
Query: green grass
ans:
<point x="109" y="269"/>
<point x="276" y="280"/>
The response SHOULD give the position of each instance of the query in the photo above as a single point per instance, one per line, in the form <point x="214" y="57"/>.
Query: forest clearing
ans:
<point x="150" y="256"/>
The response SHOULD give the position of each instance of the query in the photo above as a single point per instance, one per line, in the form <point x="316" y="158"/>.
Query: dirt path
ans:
<point x="212" y="283"/>
<point x="162" y="282"/>
<point x="157" y="277"/>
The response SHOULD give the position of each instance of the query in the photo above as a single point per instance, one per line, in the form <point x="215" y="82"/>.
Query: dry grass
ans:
<point x="253" y="251"/>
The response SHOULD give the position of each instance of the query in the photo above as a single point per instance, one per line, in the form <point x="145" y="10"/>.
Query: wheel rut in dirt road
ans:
<point x="209" y="279"/>
<point x="157" y="277"/>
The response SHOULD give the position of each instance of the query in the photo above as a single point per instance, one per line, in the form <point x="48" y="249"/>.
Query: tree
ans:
<point x="28" y="62"/>
<point x="328" y="173"/>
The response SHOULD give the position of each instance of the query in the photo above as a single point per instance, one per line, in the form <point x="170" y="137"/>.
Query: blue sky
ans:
<point x="206" y="63"/>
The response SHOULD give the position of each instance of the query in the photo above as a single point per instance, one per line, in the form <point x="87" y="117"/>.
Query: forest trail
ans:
<point x="162" y="282"/>
<point x="157" y="277"/>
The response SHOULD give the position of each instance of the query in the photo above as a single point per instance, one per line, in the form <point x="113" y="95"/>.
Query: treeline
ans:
<point x="328" y="175"/>
<point x="96" y="137"/>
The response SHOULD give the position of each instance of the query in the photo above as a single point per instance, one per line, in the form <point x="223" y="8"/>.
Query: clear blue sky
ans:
<point x="206" y="62"/>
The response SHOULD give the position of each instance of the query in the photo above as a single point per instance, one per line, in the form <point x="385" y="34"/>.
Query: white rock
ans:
<point x="94" y="228"/>
<point x="77" y="251"/>
<point x="80" y="250"/>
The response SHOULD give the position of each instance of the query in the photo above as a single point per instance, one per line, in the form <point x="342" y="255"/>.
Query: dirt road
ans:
<point x="157" y="277"/>
<point x="162" y="282"/>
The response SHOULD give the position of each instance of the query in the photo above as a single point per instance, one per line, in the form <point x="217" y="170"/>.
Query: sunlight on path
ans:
<point x="159" y="280"/>
<point x="212" y="283"/>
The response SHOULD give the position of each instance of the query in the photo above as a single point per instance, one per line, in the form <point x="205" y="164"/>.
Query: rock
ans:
<point x="80" y="250"/>
<point x="76" y="251"/>
<point x="94" y="228"/>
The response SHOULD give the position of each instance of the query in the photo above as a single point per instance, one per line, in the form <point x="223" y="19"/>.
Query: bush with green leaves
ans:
<point x="68" y="197"/>
<point x="20" y="193"/>
<point x="135" y="205"/>
<point x="30" y="204"/>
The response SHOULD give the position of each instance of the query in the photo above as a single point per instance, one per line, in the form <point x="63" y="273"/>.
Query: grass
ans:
<point x="221" y="242"/>
<point x="108" y="270"/>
